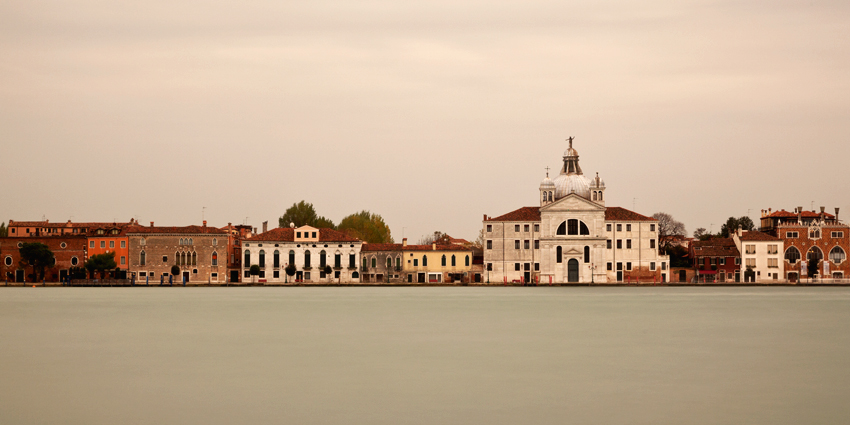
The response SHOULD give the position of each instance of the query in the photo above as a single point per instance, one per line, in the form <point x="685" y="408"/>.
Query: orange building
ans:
<point x="110" y="238"/>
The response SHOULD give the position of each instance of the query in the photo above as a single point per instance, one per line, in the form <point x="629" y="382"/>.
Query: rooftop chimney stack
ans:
<point x="434" y="246"/>
<point x="799" y="215"/>
<point x="404" y="242"/>
<point x="836" y="215"/>
<point x="151" y="224"/>
<point x="255" y="230"/>
<point x="205" y="223"/>
<point x="265" y="226"/>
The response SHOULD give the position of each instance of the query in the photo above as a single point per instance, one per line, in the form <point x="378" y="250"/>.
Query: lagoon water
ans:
<point x="453" y="355"/>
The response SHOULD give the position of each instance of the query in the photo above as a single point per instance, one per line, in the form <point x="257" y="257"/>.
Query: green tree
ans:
<point x="3" y="230"/>
<point x="729" y="227"/>
<point x="367" y="227"/>
<point x="746" y="223"/>
<point x="101" y="263"/>
<point x="175" y="270"/>
<point x="254" y="270"/>
<point x="303" y="214"/>
<point x="38" y="256"/>
<point x="700" y="233"/>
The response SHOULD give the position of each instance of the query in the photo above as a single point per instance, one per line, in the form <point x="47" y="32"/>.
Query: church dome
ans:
<point x="572" y="183"/>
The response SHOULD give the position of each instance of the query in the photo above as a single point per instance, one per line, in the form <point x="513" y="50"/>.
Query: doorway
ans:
<point x="234" y="276"/>
<point x="19" y="275"/>
<point x="572" y="270"/>
<point x="185" y="276"/>
<point x="683" y="276"/>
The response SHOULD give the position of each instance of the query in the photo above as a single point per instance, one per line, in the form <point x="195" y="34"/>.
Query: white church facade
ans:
<point x="572" y="237"/>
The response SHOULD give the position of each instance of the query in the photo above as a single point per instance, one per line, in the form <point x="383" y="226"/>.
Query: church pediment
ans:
<point x="573" y="251"/>
<point x="572" y="202"/>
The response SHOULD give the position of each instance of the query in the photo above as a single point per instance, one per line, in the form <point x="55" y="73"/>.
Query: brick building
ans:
<point x="199" y="252"/>
<point x="68" y="250"/>
<point x="715" y="260"/>
<point x="26" y="229"/>
<point x="810" y="237"/>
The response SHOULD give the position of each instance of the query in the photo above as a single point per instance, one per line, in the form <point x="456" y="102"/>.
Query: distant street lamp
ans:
<point x="592" y="268"/>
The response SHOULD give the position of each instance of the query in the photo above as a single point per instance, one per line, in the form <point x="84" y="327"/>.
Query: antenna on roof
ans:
<point x="203" y="213"/>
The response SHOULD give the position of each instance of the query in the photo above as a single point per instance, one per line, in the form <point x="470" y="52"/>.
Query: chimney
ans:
<point x="205" y="223"/>
<point x="433" y="246"/>
<point x="485" y="217"/>
<point x="265" y="226"/>
<point x="151" y="224"/>
<point x="836" y="215"/>
<point x="404" y="242"/>
<point x="799" y="215"/>
<point x="255" y="230"/>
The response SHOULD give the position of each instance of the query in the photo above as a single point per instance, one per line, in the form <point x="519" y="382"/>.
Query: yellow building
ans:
<point x="403" y="263"/>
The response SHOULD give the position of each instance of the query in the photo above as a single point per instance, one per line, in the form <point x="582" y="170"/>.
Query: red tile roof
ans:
<point x="48" y="224"/>
<point x="376" y="247"/>
<point x="717" y="247"/>
<point x="622" y="214"/>
<point x="176" y="229"/>
<point x="522" y="214"/>
<point x="287" y="234"/>
<point x="754" y="236"/>
<point x="804" y="214"/>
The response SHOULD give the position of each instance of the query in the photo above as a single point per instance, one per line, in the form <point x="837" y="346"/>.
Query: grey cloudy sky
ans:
<point x="430" y="113"/>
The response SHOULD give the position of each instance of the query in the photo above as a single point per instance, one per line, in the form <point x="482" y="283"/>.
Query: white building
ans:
<point x="572" y="236"/>
<point x="761" y="256"/>
<point x="309" y="249"/>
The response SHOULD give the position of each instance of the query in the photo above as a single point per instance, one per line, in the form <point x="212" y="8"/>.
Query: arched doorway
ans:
<point x="572" y="270"/>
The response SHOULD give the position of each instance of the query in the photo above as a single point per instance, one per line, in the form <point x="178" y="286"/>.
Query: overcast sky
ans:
<point x="430" y="113"/>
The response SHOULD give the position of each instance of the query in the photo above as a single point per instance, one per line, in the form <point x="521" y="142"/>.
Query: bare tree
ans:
<point x="668" y="228"/>
<point x="700" y="232"/>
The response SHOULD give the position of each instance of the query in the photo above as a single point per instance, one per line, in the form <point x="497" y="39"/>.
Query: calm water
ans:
<point x="424" y="355"/>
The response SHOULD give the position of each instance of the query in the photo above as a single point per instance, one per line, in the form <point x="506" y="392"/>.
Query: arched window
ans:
<point x="338" y="260"/>
<point x="194" y="258"/>
<point x="292" y="257"/>
<point x="183" y="258"/>
<point x="307" y="258"/>
<point x="276" y="259"/>
<point x="398" y="262"/>
<point x="181" y="241"/>
<point x="600" y="195"/>
<point x="262" y="260"/>
<point x="558" y="253"/>
<point x="837" y="255"/>
<point x="572" y="226"/>
<point x="454" y="261"/>
<point x="424" y="261"/>
<point x="323" y="259"/>
<point x="247" y="258"/>
<point x="374" y="262"/>
<point x="466" y="262"/>
<point x="587" y="254"/>
<point x="191" y="241"/>
<point x="792" y="255"/>
<point x="142" y="257"/>
<point x="443" y="261"/>
<point x="584" y="230"/>
<point x="214" y="258"/>
<point x="364" y="263"/>
<point x="562" y="229"/>
<point x="594" y="195"/>
<point x="814" y="255"/>
<point x="215" y="241"/>
<point x="389" y="262"/>
<point x="814" y="233"/>
<point x="142" y="241"/>
<point x="551" y="197"/>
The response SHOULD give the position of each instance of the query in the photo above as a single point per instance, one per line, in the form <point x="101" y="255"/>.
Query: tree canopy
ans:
<point x="367" y="227"/>
<point x="38" y="256"/>
<point x="3" y="230"/>
<point x="437" y="237"/>
<point x="101" y="262"/>
<point x="304" y="214"/>
<point x="732" y="223"/>
<point x="667" y="228"/>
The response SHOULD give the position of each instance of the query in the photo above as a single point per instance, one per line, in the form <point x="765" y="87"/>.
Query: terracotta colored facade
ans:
<point x="807" y="235"/>
<point x="68" y="250"/>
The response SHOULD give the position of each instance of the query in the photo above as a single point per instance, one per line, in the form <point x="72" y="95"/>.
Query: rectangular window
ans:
<point x="608" y="227"/>
<point x="652" y="266"/>
<point x="608" y="243"/>
<point x="415" y="262"/>
<point x="722" y="261"/>
<point x="751" y="249"/>
<point x="516" y="244"/>
<point x="516" y="266"/>
<point x="91" y="244"/>
<point x="247" y="273"/>
<point x="306" y="275"/>
<point x="628" y="266"/>
<point x="489" y="244"/>
<point x="628" y="227"/>
<point x="112" y="244"/>
<point x="123" y="260"/>
<point x="123" y="244"/>
<point x="652" y="228"/>
<point x="536" y="228"/>
<point x="516" y="228"/>
<point x="837" y="235"/>
<point x="751" y="262"/>
<point x="537" y="267"/>
<point x="525" y="228"/>
<point x="652" y="243"/>
<point x="773" y="262"/>
<point x="314" y="235"/>
<point x="526" y="244"/>
<point x="663" y="266"/>
<point x="610" y="266"/>
<point x="164" y="258"/>
<point x="536" y="244"/>
<point x="738" y="261"/>
<point x="628" y="244"/>
<point x="262" y="274"/>
<point x="713" y="261"/>
<point x="702" y="261"/>
<point x="489" y="228"/>
<point x="772" y="249"/>
<point x="489" y="266"/>
<point x="527" y="267"/>
<point x="619" y="266"/>
<point x="619" y="244"/>
<point x="792" y="235"/>
<point x="103" y="244"/>
<point x="619" y="227"/>
<point x="297" y="234"/>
